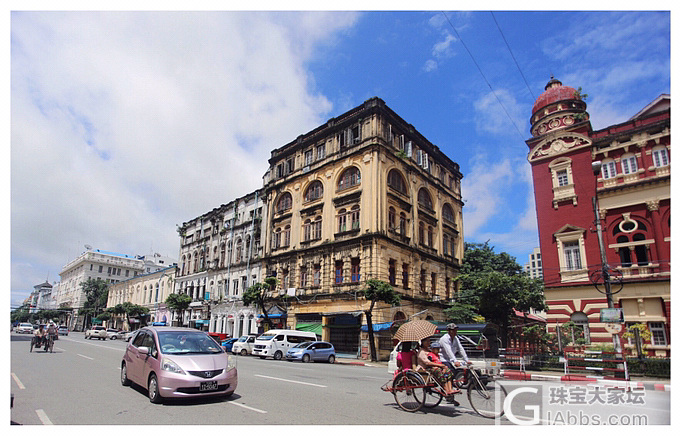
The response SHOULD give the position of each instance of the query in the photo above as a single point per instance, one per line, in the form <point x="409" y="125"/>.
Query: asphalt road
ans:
<point x="79" y="384"/>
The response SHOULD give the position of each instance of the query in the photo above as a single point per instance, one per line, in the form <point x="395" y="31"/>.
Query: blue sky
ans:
<point x="124" y="124"/>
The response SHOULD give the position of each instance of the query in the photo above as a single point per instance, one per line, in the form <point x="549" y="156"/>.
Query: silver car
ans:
<point x="313" y="351"/>
<point x="175" y="362"/>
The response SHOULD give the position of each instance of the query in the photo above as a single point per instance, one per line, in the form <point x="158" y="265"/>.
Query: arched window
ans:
<point x="195" y="261"/>
<point x="222" y="255"/>
<point x="402" y="223"/>
<point x="447" y="213"/>
<point x="581" y="331"/>
<point x="629" y="163"/>
<point x="424" y="199"/>
<point x="286" y="235"/>
<point x="391" y="219"/>
<point x="351" y="177"/>
<point x="314" y="191"/>
<point x="184" y="265"/>
<point x="640" y="250"/>
<point x="307" y="230"/>
<point x="624" y="252"/>
<point x="396" y="181"/>
<point x="354" y="217"/>
<point x="430" y="237"/>
<point x="238" y="250"/>
<point x="608" y="169"/>
<point x="285" y="202"/>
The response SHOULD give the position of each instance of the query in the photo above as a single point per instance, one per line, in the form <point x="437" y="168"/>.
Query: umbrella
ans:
<point x="415" y="331"/>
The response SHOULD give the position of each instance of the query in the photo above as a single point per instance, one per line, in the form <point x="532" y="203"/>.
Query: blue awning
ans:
<point x="273" y="315"/>
<point x="378" y="327"/>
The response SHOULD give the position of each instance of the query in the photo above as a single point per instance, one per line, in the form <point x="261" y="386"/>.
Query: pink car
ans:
<point x="174" y="362"/>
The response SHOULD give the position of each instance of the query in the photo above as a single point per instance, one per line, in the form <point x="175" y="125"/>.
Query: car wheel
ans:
<point x="331" y="359"/>
<point x="244" y="352"/>
<point x="278" y="355"/>
<point x="154" y="394"/>
<point x="123" y="375"/>
<point x="305" y="358"/>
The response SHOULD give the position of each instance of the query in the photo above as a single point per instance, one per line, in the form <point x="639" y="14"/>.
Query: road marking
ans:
<point x="248" y="407"/>
<point x="18" y="382"/>
<point x="291" y="381"/>
<point x="86" y="357"/>
<point x="43" y="417"/>
<point x="96" y="345"/>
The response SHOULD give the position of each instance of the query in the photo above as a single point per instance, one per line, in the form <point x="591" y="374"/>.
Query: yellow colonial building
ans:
<point x="148" y="290"/>
<point x="363" y="196"/>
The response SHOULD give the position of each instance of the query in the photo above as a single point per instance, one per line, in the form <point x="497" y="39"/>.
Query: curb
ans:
<point x="582" y="379"/>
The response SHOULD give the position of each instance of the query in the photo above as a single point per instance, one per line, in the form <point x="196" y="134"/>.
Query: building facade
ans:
<point x="632" y="195"/>
<point x="362" y="196"/>
<point x="94" y="263"/>
<point x="221" y="256"/>
<point x="148" y="290"/>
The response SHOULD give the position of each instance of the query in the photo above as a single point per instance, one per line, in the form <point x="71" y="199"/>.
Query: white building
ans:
<point x="220" y="256"/>
<point x="535" y="265"/>
<point x="108" y="266"/>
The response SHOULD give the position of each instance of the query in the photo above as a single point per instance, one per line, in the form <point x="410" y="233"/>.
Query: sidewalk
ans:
<point x="509" y="374"/>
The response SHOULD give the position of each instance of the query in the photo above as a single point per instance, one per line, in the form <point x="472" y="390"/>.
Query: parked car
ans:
<point x="115" y="334"/>
<point x="177" y="362"/>
<point x="63" y="330"/>
<point x="130" y="335"/>
<point x="313" y="351"/>
<point x="244" y="345"/>
<point x="25" y="327"/>
<point x="97" y="332"/>
<point x="228" y="344"/>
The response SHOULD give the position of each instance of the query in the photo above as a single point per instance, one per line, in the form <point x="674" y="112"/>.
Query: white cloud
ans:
<point x="125" y="124"/>
<point x="497" y="117"/>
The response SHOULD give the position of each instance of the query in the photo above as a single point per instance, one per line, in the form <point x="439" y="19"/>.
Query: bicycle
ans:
<point x="413" y="390"/>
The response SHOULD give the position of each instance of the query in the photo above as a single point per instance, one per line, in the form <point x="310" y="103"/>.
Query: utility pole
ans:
<point x="606" y="277"/>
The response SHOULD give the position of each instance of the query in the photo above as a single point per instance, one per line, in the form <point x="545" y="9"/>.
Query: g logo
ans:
<point x="508" y="409"/>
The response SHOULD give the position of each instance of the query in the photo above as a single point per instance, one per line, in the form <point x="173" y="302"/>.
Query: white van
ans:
<point x="244" y="345"/>
<point x="275" y="343"/>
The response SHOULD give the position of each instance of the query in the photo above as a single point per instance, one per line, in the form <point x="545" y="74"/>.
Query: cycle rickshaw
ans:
<point x="414" y="390"/>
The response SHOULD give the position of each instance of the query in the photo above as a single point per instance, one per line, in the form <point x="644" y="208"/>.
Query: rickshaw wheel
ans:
<point x="408" y="391"/>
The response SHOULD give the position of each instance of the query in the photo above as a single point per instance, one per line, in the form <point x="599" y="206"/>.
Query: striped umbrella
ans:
<point x="415" y="331"/>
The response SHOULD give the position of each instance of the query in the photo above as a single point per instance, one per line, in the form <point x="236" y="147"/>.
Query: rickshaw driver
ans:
<point x="450" y="345"/>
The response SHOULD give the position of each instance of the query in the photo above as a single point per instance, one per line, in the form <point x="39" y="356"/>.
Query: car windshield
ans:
<point x="265" y="338"/>
<point x="302" y="345"/>
<point x="187" y="343"/>
<point x="243" y="338"/>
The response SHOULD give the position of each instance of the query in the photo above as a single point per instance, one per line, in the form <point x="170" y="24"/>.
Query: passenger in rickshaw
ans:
<point x="439" y="371"/>
<point x="406" y="358"/>
<point x="39" y="335"/>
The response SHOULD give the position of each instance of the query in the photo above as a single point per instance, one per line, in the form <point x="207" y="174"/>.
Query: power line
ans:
<point x="483" y="76"/>
<point x="513" y="56"/>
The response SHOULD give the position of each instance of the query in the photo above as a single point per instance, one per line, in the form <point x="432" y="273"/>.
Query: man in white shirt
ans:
<point x="450" y="345"/>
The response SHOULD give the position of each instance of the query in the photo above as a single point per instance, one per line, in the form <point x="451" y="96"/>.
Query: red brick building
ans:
<point x="633" y="193"/>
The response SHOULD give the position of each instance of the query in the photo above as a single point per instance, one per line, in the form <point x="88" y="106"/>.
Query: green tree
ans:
<point x="96" y="296"/>
<point x="259" y="295"/>
<point x="178" y="303"/>
<point x="495" y="284"/>
<point x="377" y="290"/>
<point x="464" y="309"/>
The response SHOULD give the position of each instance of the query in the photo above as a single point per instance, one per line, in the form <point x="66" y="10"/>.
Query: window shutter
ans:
<point x="425" y="162"/>
<point x="419" y="157"/>
<point x="409" y="145"/>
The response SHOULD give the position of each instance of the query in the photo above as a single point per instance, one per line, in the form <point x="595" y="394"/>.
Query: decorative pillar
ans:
<point x="653" y="208"/>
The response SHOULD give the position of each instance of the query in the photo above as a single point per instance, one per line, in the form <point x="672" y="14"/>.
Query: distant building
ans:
<point x="108" y="266"/>
<point x="632" y="191"/>
<point x="148" y="290"/>
<point x="534" y="266"/>
<point x="41" y="298"/>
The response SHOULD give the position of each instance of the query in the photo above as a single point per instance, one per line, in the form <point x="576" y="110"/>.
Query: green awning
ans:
<point x="314" y="327"/>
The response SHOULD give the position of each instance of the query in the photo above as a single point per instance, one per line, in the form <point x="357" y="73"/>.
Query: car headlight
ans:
<point x="231" y="362"/>
<point x="169" y="365"/>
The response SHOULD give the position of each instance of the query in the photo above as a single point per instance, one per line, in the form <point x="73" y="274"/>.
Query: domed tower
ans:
<point x="559" y="107"/>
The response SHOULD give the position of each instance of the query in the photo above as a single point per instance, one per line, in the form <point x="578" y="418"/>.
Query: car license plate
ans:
<point x="208" y="386"/>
